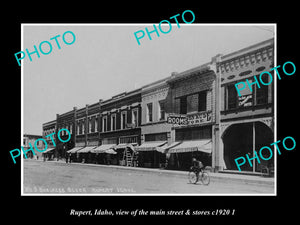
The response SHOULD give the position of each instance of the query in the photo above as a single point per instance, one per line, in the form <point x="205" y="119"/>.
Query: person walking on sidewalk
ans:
<point x="67" y="157"/>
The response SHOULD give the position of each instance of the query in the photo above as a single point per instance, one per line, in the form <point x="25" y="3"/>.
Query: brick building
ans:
<point x="29" y="142"/>
<point x="247" y="121"/>
<point x="192" y="94"/>
<point x="66" y="121"/>
<point x="120" y="125"/>
<point x="48" y="129"/>
<point x="156" y="132"/>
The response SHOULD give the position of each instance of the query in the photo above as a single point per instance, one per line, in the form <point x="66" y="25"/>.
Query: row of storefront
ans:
<point x="164" y="124"/>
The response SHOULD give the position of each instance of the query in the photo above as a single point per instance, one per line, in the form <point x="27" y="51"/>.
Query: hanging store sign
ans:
<point x="186" y="120"/>
<point x="245" y="100"/>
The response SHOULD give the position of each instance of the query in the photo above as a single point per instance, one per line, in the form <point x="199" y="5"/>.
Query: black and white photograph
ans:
<point x="132" y="114"/>
<point x="182" y="113"/>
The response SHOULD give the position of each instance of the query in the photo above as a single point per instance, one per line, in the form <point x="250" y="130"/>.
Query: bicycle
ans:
<point x="202" y="175"/>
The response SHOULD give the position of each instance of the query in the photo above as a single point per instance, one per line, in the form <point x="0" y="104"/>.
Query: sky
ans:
<point x="106" y="60"/>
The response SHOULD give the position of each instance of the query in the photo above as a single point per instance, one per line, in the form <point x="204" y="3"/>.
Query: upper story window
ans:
<point x="202" y="106"/>
<point x="262" y="92"/>
<point x="90" y="125"/>
<point x="231" y="97"/>
<point x="248" y="97"/>
<point x="149" y="112"/>
<point x="78" y="127"/>
<point x="123" y="119"/>
<point x="135" y="117"/>
<point x="193" y="103"/>
<point x="113" y="122"/>
<point x="104" y="123"/>
<point x="96" y="124"/>
<point x="183" y="105"/>
<point x="161" y="110"/>
<point x="82" y="127"/>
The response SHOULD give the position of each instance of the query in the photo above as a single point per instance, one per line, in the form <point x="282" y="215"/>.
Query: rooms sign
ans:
<point x="192" y="119"/>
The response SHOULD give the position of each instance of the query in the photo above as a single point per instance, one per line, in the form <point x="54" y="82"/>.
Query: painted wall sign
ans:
<point x="193" y="119"/>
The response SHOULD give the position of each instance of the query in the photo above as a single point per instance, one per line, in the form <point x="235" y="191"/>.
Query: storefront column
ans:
<point x="253" y="145"/>
<point x="215" y="148"/>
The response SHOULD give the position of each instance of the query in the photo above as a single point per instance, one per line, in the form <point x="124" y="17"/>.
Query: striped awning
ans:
<point x="103" y="148"/>
<point x="123" y="146"/>
<point x="192" y="146"/>
<point x="73" y="150"/>
<point x="150" y="146"/>
<point x="164" y="148"/>
<point x="86" y="149"/>
<point x="110" y="151"/>
<point x="49" y="150"/>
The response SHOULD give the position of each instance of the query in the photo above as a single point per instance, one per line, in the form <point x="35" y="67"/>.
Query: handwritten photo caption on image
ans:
<point x="160" y="212"/>
<point x="72" y="190"/>
<point x="43" y="49"/>
<point x="35" y="145"/>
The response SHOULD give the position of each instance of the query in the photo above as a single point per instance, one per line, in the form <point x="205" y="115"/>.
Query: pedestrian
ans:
<point x="70" y="157"/>
<point x="67" y="157"/>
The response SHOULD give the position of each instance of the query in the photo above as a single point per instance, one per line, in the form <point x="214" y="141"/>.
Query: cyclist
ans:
<point x="197" y="166"/>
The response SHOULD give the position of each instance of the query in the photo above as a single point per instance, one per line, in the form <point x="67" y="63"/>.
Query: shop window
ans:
<point x="107" y="141"/>
<point x="156" y="137"/>
<point x="193" y="133"/>
<point x="130" y="139"/>
<point x="149" y="112"/>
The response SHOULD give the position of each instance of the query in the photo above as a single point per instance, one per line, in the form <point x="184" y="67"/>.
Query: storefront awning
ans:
<point x="49" y="150"/>
<point x="110" y="151"/>
<point x="123" y="146"/>
<point x="86" y="149"/>
<point x="102" y="148"/>
<point x="164" y="148"/>
<point x="73" y="150"/>
<point x="192" y="146"/>
<point x="150" y="146"/>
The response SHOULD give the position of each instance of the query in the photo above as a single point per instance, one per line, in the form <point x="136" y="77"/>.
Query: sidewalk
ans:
<point x="228" y="177"/>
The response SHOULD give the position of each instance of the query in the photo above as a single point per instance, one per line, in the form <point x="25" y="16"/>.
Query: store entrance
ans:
<point x="244" y="138"/>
